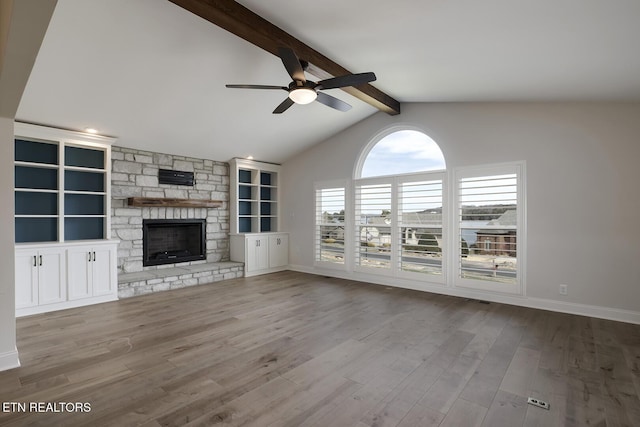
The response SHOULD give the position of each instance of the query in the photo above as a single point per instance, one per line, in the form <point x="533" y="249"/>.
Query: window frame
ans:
<point x="356" y="226"/>
<point x="519" y="169"/>
<point x="364" y="152"/>
<point x="451" y="246"/>
<point x="326" y="185"/>
<point x="429" y="177"/>
<point x="395" y="269"/>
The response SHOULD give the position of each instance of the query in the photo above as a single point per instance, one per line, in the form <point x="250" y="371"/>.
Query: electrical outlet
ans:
<point x="537" y="402"/>
<point x="563" y="290"/>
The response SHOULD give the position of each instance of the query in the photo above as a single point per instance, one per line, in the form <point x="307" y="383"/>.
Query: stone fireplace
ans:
<point x="197" y="261"/>
<point x="135" y="174"/>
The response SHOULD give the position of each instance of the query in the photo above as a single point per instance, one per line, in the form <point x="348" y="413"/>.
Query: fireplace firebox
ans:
<point x="169" y="241"/>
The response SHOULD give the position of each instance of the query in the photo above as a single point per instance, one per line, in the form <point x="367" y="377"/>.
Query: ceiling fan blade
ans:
<point x="256" y="87"/>
<point x="284" y="106"/>
<point x="333" y="102"/>
<point x="348" y="80"/>
<point x="292" y="63"/>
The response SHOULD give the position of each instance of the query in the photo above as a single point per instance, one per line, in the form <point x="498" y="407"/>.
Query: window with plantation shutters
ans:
<point x="399" y="227"/>
<point x="490" y="218"/>
<point x="330" y="225"/>
<point x="417" y="224"/>
<point x="420" y="226"/>
<point x="373" y="231"/>
<point x="399" y="196"/>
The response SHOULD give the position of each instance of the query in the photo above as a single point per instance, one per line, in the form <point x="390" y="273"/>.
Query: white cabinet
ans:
<point x="26" y="279"/>
<point x="105" y="271"/>
<point x="64" y="275"/>
<point x="261" y="252"/>
<point x="80" y="272"/>
<point x="40" y="277"/>
<point x="257" y="253"/>
<point x="278" y="250"/>
<point x="92" y="271"/>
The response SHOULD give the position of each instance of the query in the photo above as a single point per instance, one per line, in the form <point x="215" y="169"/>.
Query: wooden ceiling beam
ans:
<point x="242" y="22"/>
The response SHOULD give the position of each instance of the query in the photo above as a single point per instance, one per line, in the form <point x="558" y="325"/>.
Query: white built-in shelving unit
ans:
<point x="62" y="215"/>
<point x="256" y="236"/>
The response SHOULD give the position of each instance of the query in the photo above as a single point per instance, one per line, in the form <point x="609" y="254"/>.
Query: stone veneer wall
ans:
<point x="134" y="173"/>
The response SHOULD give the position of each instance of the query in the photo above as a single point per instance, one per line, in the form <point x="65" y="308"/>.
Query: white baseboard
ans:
<point x="264" y="271"/>
<point x="608" y="313"/>
<point x="600" y="312"/>
<point x="39" y="309"/>
<point x="9" y="360"/>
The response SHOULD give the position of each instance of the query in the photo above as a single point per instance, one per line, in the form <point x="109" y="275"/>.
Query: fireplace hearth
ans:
<point x="169" y="241"/>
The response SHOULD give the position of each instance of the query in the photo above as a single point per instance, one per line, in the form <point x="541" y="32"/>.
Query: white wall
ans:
<point x="22" y="27"/>
<point x="8" y="353"/>
<point x="583" y="200"/>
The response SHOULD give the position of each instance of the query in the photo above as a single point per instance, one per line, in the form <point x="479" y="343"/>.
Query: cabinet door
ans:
<point x="79" y="272"/>
<point x="278" y="250"/>
<point x="102" y="263"/>
<point x="257" y="253"/>
<point x="26" y="279"/>
<point x="51" y="276"/>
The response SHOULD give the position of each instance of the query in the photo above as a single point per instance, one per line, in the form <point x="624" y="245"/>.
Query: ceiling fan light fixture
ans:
<point x="303" y="95"/>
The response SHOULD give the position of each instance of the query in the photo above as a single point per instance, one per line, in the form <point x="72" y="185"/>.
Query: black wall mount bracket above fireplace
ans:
<point x="169" y="241"/>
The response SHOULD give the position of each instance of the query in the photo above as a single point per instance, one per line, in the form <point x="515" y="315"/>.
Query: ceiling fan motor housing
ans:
<point x="297" y="84"/>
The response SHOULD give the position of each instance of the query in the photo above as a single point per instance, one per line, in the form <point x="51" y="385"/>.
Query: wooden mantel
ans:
<point x="177" y="203"/>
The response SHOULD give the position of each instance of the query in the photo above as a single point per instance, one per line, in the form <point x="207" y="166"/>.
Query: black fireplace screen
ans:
<point x="168" y="241"/>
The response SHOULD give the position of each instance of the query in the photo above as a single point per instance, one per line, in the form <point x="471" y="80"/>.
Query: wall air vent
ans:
<point x="166" y="176"/>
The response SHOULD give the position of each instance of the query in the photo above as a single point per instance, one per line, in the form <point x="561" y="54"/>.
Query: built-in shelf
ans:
<point x="254" y="196"/>
<point x="61" y="185"/>
<point x="168" y="202"/>
<point x="64" y="257"/>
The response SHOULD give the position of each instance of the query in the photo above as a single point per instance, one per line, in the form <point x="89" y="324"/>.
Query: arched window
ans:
<point x="399" y="197"/>
<point x="404" y="215"/>
<point x="401" y="152"/>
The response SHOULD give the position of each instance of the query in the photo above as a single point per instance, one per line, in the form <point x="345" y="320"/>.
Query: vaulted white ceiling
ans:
<point x="153" y="74"/>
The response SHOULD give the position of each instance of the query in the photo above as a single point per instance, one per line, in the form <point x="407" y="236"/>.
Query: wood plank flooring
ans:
<point x="292" y="349"/>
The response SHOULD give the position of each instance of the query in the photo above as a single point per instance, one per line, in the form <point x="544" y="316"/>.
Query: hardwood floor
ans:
<point x="291" y="349"/>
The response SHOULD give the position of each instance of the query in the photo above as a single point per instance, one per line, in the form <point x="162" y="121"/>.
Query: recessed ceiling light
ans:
<point x="250" y="157"/>
<point x="91" y="130"/>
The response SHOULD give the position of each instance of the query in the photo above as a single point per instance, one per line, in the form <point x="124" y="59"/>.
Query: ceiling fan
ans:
<point x="303" y="91"/>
